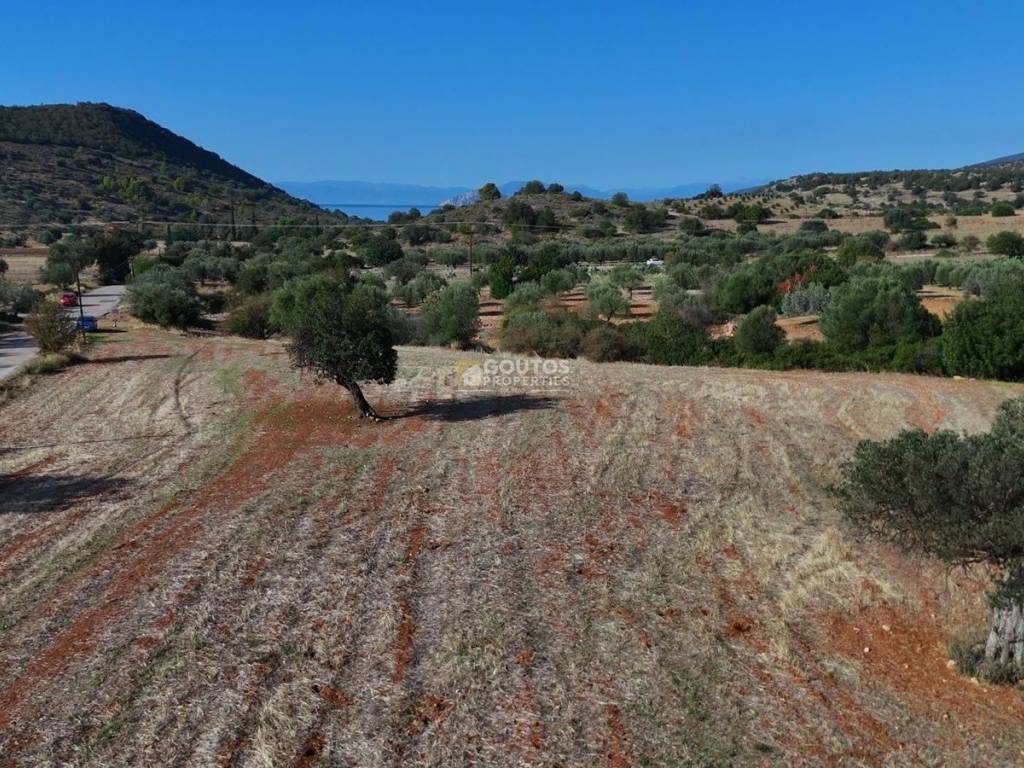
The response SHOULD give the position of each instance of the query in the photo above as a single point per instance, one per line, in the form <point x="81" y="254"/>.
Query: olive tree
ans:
<point x="606" y="299"/>
<point x="958" y="498"/>
<point x="340" y="328"/>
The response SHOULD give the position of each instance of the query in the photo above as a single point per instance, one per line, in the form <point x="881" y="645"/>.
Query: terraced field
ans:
<point x="206" y="560"/>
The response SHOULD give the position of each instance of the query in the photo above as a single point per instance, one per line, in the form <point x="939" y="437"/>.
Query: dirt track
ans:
<point x="206" y="560"/>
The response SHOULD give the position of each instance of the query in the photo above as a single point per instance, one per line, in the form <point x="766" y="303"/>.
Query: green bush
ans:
<point x="875" y="311"/>
<point x="556" y="333"/>
<point x="17" y="298"/>
<point x="488" y="191"/>
<point x="859" y="249"/>
<point x="607" y="344"/>
<point x="419" y="288"/>
<point x="757" y="333"/>
<point x="502" y="276"/>
<point x="250" y="318"/>
<point x="379" y="250"/>
<point x="912" y="241"/>
<point x="164" y="295"/>
<point x="524" y="295"/>
<point x="806" y="299"/>
<point x="50" y="327"/>
<point x="985" y="337"/>
<point x="672" y="338"/>
<point x="813" y="226"/>
<point x="1002" y="209"/>
<point x="1006" y="244"/>
<point x="450" y="315"/>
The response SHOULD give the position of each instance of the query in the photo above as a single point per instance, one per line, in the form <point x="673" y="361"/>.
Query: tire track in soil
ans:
<point x="284" y="627"/>
<point x="232" y="751"/>
<point x="239" y="482"/>
<point x="363" y="605"/>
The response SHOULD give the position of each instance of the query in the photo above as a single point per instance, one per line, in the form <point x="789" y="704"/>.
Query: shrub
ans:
<point x="557" y="333"/>
<point x="558" y="281"/>
<point x="164" y="295"/>
<point x="17" y="298"/>
<point x="807" y="299"/>
<point x="450" y="315"/>
<point x="44" y="365"/>
<point x="606" y="299"/>
<point x="1006" y="244"/>
<point x="379" y="250"/>
<point x="956" y="498"/>
<point x="621" y="199"/>
<point x="641" y="219"/>
<point x="406" y="268"/>
<point x="943" y="240"/>
<point x="857" y="249"/>
<point x="985" y="337"/>
<point x="251" y="318"/>
<point x="969" y="243"/>
<point x="912" y="241"/>
<point x="50" y="327"/>
<point x="813" y="226"/>
<point x="607" y="344"/>
<point x="672" y="338"/>
<point x="533" y="187"/>
<point x="419" y="288"/>
<point x="524" y="295"/>
<point x="691" y="225"/>
<point x="757" y="333"/>
<point x="874" y="311"/>
<point x="1002" y="209"/>
<point x="502" y="276"/>
<point x="488" y="191"/>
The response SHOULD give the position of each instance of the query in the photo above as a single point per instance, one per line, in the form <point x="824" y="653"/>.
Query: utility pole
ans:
<point x="81" y="311"/>
<point x="233" y="218"/>
<point x="471" y="232"/>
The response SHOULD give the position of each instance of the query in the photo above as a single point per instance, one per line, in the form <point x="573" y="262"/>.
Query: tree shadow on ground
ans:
<point x="51" y="493"/>
<point x="477" y="408"/>
<point x="128" y="359"/>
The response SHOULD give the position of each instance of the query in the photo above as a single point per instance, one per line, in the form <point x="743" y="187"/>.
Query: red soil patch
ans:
<point x="906" y="652"/>
<point x="407" y="624"/>
<point x="311" y="751"/>
<point x="432" y="709"/>
<point x="615" y="744"/>
<point x="739" y="626"/>
<point x="668" y="510"/>
<point x="332" y="695"/>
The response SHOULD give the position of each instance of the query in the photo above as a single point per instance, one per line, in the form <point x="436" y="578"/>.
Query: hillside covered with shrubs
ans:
<point x="67" y="163"/>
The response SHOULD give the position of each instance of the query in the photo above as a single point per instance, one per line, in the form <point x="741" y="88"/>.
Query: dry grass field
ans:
<point x="206" y="560"/>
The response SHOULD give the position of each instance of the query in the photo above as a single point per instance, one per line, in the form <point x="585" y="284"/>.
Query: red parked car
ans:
<point x="68" y="299"/>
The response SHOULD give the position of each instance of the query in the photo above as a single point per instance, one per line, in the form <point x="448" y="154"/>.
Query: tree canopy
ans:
<point x="339" y="328"/>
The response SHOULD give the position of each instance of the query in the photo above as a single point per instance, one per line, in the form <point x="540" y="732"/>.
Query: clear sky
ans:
<point x="609" y="94"/>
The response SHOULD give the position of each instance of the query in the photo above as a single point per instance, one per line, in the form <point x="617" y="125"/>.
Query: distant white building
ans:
<point x="655" y="262"/>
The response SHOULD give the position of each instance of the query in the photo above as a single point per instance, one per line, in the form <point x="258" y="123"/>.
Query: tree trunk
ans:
<point x="364" y="409"/>
<point x="1006" y="639"/>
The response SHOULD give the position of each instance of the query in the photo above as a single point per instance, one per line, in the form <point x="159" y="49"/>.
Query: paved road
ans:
<point x="17" y="347"/>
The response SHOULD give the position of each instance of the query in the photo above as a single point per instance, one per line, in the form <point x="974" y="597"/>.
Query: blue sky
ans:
<point x="608" y="94"/>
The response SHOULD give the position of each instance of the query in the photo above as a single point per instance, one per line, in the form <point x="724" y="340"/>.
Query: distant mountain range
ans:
<point x="340" y="193"/>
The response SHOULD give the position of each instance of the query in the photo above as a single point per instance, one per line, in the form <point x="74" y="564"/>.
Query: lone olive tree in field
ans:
<point x="958" y="498"/>
<point x="341" y="329"/>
